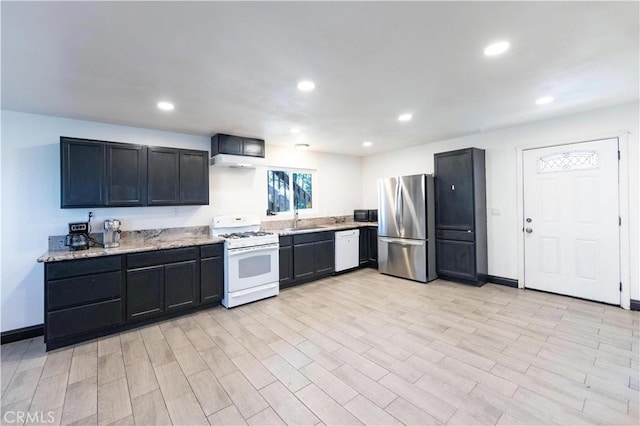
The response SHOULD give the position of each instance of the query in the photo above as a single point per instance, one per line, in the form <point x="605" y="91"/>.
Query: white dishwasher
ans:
<point x="347" y="249"/>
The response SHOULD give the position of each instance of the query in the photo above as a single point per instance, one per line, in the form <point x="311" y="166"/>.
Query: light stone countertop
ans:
<point x="128" y="247"/>
<point x="329" y="227"/>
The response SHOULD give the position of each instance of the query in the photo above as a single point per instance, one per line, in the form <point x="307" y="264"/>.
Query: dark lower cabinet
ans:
<point x="369" y="247"/>
<point x="145" y="292"/>
<point x="87" y="298"/>
<point x="325" y="257"/>
<point x="304" y="265"/>
<point x="181" y="285"/>
<point x="456" y="259"/>
<point x="286" y="262"/>
<point x="373" y="247"/>
<point x="82" y="296"/>
<point x="306" y="257"/>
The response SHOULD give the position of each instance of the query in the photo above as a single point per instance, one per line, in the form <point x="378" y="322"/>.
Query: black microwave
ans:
<point x="365" y="215"/>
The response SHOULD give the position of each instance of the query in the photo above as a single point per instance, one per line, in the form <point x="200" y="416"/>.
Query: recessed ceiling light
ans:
<point x="301" y="146"/>
<point x="295" y="130"/>
<point x="306" y="86"/>
<point x="367" y="143"/>
<point x="497" y="48"/>
<point x="405" y="117"/>
<point x="544" y="100"/>
<point x="166" y="106"/>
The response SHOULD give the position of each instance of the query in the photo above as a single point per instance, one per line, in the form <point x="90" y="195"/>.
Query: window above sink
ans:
<point x="289" y="190"/>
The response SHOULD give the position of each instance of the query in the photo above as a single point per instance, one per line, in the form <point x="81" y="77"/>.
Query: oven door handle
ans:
<point x="238" y="252"/>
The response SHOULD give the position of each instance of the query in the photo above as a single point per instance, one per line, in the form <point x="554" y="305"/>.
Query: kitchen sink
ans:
<point x="304" y="228"/>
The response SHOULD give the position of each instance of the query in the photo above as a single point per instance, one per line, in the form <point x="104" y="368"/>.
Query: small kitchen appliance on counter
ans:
<point x="365" y="215"/>
<point x="251" y="259"/>
<point x="111" y="236"/>
<point x="78" y="237"/>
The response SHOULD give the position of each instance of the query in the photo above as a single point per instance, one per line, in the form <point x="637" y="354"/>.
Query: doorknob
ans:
<point x="528" y="230"/>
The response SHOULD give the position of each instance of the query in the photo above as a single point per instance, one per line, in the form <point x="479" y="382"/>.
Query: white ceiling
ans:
<point x="232" y="67"/>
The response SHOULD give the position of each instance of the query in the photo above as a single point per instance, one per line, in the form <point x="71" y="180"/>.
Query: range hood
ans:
<point x="237" y="161"/>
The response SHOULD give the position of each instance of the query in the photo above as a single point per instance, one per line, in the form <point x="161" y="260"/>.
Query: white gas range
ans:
<point x="251" y="259"/>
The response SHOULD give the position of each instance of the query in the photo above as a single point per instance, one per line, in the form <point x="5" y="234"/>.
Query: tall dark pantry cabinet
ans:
<point x="461" y="216"/>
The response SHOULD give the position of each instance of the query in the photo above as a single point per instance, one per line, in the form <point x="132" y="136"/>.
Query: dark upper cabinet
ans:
<point x="236" y="145"/>
<point x="194" y="177"/>
<point x="111" y="174"/>
<point x="461" y="217"/>
<point x="126" y="167"/>
<point x="454" y="193"/>
<point x="82" y="173"/>
<point x="145" y="292"/>
<point x="181" y="285"/>
<point x="164" y="176"/>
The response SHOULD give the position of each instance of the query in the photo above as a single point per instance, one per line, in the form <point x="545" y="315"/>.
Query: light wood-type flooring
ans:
<point x="358" y="348"/>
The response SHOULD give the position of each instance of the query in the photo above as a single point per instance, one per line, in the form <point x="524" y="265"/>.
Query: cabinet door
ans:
<point x="126" y="174"/>
<point x="163" y="176"/>
<point x="456" y="259"/>
<point x="325" y="257"/>
<point x="373" y="246"/>
<point x="82" y="173"/>
<point x="211" y="279"/>
<point x="286" y="266"/>
<point x="253" y="147"/>
<point x="228" y="144"/>
<point x="194" y="177"/>
<point x="304" y="265"/>
<point x="180" y="285"/>
<point x="363" y="249"/>
<point x="454" y="191"/>
<point x="145" y="292"/>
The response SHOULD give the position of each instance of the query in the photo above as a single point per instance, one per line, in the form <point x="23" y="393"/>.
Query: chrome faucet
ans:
<point x="295" y="217"/>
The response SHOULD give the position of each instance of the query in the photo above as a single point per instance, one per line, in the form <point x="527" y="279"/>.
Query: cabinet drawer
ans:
<point x="213" y="250"/>
<point x="159" y="257"/>
<point x="85" y="289"/>
<point x="313" y="237"/>
<point x="455" y="235"/>
<point x="286" y="241"/>
<point x="74" y="268"/>
<point x="83" y="319"/>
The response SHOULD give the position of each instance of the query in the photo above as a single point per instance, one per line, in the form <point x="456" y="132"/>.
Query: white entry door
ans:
<point x="571" y="238"/>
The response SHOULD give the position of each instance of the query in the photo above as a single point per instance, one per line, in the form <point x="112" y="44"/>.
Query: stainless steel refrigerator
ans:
<point x="406" y="227"/>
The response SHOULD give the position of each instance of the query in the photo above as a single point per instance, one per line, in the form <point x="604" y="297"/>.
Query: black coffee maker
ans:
<point x="78" y="237"/>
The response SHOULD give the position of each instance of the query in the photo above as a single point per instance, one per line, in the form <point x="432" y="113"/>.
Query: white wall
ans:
<point x="30" y="187"/>
<point x="501" y="172"/>
<point x="337" y="188"/>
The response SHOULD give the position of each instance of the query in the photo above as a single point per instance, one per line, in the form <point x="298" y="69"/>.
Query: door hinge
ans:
<point x="618" y="155"/>
<point x="619" y="221"/>
<point x="620" y="286"/>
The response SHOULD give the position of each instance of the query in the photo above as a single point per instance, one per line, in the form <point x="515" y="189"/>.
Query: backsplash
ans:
<point x="56" y="242"/>
<point x="275" y="225"/>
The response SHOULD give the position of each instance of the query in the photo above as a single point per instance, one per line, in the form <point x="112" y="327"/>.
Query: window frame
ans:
<point x="291" y="171"/>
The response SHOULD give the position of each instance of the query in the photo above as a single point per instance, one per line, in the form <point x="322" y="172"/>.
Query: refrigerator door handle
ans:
<point x="398" y="203"/>
<point x="401" y="203"/>
<point x="401" y="242"/>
